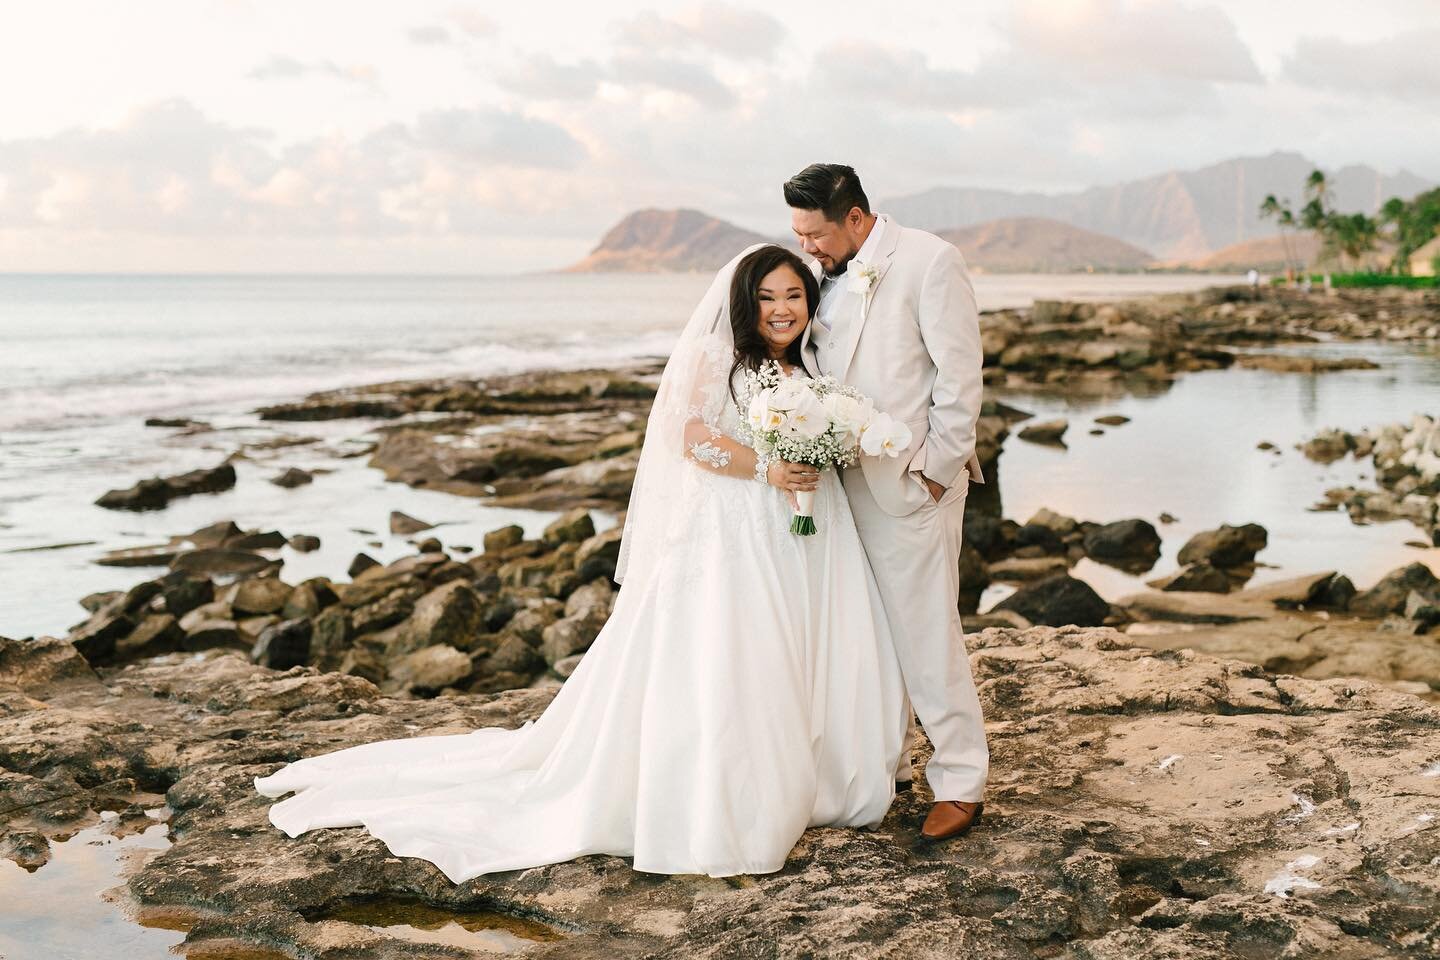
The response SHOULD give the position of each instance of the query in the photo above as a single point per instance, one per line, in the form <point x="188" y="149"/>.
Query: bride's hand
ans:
<point x="792" y="477"/>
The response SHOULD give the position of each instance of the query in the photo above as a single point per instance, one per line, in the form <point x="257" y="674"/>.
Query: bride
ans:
<point x="744" y="688"/>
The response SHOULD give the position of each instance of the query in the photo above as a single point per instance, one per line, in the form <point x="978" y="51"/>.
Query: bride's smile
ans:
<point x="784" y="311"/>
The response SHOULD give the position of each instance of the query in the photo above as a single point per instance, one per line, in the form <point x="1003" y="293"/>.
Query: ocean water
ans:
<point x="89" y="350"/>
<point x="85" y="359"/>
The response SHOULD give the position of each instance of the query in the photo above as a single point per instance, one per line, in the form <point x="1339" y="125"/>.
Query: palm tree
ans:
<point x="1395" y="215"/>
<point x="1414" y="223"/>
<point x="1354" y="236"/>
<point x="1273" y="209"/>
<point x="1316" y="215"/>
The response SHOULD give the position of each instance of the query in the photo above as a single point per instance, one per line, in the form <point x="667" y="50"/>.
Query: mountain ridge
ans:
<point x="1176" y="218"/>
<point x="1178" y="214"/>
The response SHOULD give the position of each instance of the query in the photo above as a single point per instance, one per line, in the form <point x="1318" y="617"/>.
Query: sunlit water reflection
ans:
<point x="1192" y="451"/>
<point x="59" y="911"/>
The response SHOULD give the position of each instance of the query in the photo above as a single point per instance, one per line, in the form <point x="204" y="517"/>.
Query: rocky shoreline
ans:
<point x="1164" y="804"/>
<point x="187" y="684"/>
<point x="1406" y="458"/>
<point x="1139" y="344"/>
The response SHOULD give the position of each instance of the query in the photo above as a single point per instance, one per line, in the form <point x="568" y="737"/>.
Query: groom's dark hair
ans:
<point x="831" y="188"/>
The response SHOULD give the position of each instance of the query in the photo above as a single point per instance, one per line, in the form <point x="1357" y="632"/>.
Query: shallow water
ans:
<point x="58" y="911"/>
<point x="421" y="923"/>
<point x="347" y="508"/>
<point x="1192" y="451"/>
<point x="74" y="907"/>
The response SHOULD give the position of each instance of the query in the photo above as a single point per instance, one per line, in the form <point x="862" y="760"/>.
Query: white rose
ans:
<point x="788" y="394"/>
<point x="885" y="436"/>
<point x="847" y="413"/>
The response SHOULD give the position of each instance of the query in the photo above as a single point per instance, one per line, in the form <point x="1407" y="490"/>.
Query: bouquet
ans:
<point x="821" y="422"/>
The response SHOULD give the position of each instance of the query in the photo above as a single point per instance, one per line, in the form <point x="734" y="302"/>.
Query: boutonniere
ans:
<point x="861" y="276"/>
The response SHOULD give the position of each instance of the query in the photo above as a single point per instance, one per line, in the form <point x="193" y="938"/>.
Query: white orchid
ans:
<point x="759" y="413"/>
<point x="807" y="420"/>
<point x="861" y="276"/>
<point x="885" y="436"/>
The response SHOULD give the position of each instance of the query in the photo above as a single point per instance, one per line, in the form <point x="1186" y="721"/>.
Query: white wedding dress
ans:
<point x="744" y="688"/>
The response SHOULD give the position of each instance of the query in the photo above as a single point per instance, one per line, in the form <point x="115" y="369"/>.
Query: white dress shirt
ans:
<point x="833" y="289"/>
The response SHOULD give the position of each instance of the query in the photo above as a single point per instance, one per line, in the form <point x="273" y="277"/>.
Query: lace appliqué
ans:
<point x="711" y="454"/>
<point x="762" y="468"/>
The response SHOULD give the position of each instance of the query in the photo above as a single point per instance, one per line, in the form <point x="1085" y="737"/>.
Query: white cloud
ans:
<point x="279" y="67"/>
<point x="429" y="35"/>
<point x="1094" y="58"/>
<point x="487" y="135"/>
<point x="738" y="33"/>
<point x="540" y="76"/>
<point x="653" y="53"/>
<point x="170" y="169"/>
<point x="870" y="71"/>
<point x="472" y="21"/>
<point x="1131" y="38"/>
<point x="1402" y="67"/>
<point x="65" y="195"/>
<point x="1012" y="80"/>
<point x="693" y="80"/>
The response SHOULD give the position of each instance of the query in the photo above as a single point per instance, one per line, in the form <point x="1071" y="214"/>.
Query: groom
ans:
<point x="897" y="321"/>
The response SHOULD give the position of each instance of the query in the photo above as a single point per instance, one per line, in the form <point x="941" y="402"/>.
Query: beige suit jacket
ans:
<point x="911" y="344"/>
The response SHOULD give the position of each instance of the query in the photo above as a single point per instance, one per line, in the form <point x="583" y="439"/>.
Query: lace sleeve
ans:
<point x="705" y="444"/>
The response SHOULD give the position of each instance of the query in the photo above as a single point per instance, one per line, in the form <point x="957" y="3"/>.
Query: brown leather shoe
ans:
<point x="949" y="819"/>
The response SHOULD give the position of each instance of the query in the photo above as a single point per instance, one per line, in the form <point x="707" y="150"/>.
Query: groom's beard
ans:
<point x="841" y="265"/>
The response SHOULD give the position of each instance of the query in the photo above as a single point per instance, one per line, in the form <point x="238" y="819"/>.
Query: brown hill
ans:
<point x="649" y="241"/>
<point x="1039" y="245"/>
<point x="1266" y="255"/>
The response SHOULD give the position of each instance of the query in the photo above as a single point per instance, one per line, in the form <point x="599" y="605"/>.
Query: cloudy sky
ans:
<point x="257" y="135"/>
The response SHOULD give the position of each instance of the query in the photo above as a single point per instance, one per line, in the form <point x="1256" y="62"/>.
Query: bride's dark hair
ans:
<point x="750" y="348"/>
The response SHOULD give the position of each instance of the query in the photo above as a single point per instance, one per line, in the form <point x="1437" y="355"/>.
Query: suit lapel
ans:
<point x="815" y="332"/>
<point x="810" y="341"/>
<point x="845" y="351"/>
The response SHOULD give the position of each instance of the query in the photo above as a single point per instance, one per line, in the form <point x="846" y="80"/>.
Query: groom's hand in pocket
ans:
<point x="936" y="491"/>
